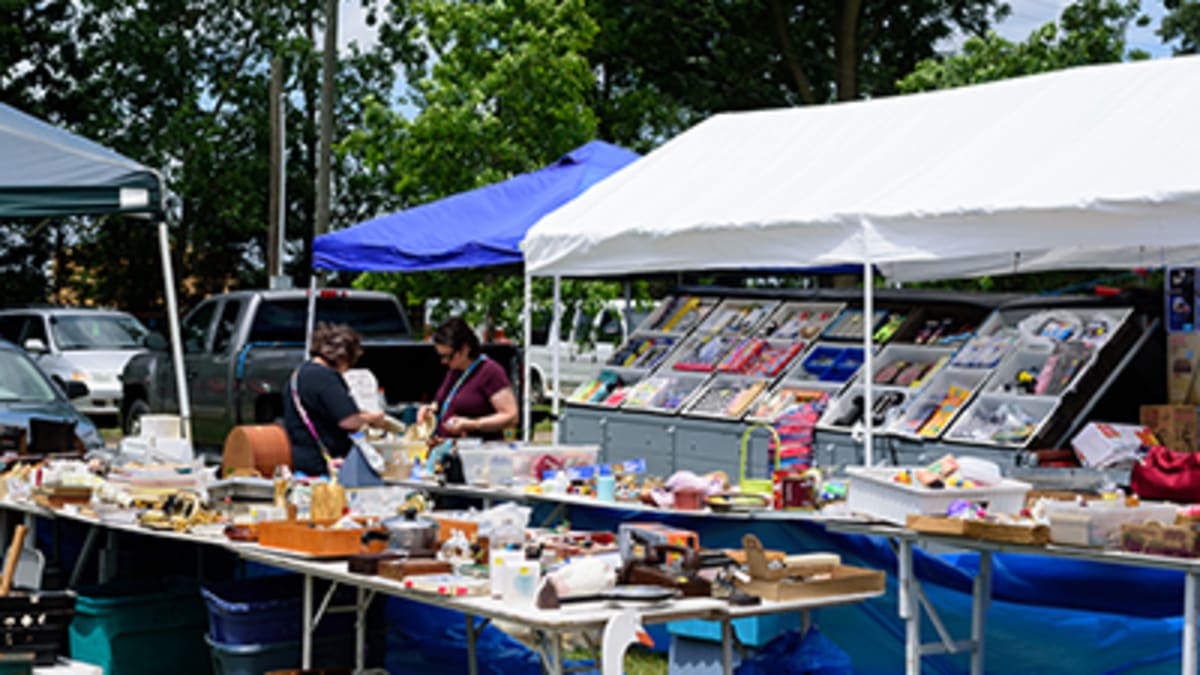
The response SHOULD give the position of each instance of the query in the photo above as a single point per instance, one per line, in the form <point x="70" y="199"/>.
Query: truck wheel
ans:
<point x="133" y="416"/>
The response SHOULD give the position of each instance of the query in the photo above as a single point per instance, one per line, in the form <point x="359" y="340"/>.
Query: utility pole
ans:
<point x="277" y="206"/>
<point x="328" y="68"/>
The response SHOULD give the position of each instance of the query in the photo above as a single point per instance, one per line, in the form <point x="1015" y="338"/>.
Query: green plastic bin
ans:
<point x="142" y="627"/>
<point x="333" y="650"/>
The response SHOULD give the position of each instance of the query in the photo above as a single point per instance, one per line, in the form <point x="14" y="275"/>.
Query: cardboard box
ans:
<point x="843" y="580"/>
<point x="1101" y="445"/>
<point x="1175" y="426"/>
<point x="1183" y="364"/>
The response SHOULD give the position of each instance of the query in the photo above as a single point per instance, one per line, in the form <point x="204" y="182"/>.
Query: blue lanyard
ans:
<point x="454" y="390"/>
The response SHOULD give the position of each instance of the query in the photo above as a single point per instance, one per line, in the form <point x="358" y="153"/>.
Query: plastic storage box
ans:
<point x="1099" y="522"/>
<point x="130" y="627"/>
<point x="263" y="610"/>
<point x="873" y="492"/>
<point x="255" y="659"/>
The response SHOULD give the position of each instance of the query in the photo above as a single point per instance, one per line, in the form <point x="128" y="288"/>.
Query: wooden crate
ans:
<point x="1154" y="538"/>
<point x="1035" y="535"/>
<point x="313" y="538"/>
<point x="843" y="580"/>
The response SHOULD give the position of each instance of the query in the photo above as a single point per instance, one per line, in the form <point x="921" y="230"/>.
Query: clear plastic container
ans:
<point x="528" y="462"/>
<point x="1099" y="522"/>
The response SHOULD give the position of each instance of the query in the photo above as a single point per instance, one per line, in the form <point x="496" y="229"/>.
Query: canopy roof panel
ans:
<point x="48" y="171"/>
<point x="482" y="227"/>
<point x="1088" y="167"/>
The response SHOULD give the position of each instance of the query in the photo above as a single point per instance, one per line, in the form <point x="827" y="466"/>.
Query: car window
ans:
<point x="10" y="327"/>
<point x="76" y="332"/>
<point x="195" y="327"/>
<point x="284" y="320"/>
<point x="20" y="380"/>
<point x="226" y="325"/>
<point x="610" y="326"/>
<point x="35" y="327"/>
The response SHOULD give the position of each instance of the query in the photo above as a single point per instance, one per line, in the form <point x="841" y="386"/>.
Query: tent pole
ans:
<point x="311" y="317"/>
<point x="185" y="407"/>
<point x="528" y="317"/>
<point x="868" y="349"/>
<point x="556" y="319"/>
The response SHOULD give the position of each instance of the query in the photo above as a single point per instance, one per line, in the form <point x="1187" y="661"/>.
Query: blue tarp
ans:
<point x="479" y="228"/>
<point x="1048" y="615"/>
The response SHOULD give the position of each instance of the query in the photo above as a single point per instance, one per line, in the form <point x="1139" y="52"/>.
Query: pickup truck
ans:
<point x="239" y="348"/>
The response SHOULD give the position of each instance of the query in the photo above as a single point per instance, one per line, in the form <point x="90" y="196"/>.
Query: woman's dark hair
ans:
<point x="454" y="333"/>
<point x="336" y="343"/>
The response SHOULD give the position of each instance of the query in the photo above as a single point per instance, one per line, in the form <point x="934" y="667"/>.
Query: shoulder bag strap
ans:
<point x="304" y="414"/>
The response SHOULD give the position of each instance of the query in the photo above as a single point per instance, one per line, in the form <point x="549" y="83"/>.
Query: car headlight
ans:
<point x="79" y="376"/>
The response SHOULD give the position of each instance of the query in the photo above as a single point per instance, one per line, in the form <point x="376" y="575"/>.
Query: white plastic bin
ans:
<point x="872" y="492"/>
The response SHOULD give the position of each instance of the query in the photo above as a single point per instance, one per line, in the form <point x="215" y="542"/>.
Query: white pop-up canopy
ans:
<point x="1089" y="167"/>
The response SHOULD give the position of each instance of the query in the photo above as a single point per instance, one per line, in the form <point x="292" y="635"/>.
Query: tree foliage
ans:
<point x="1089" y="31"/>
<point x="182" y="86"/>
<point x="1182" y="23"/>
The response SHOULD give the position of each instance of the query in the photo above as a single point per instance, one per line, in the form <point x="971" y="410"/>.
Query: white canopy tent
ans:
<point x="1090" y="167"/>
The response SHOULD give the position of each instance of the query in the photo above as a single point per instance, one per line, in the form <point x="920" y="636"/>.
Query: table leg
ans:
<point x="472" y="637"/>
<point x="726" y="646"/>
<point x="1189" y="622"/>
<point x="556" y="654"/>
<point x="979" y="607"/>
<point x="108" y="557"/>
<point x="360" y="630"/>
<point x="910" y="610"/>
<point x="306" y="629"/>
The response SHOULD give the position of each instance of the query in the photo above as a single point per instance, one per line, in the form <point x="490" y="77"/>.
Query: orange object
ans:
<point x="10" y="563"/>
<point x="448" y="524"/>
<point x="689" y="499"/>
<point x="316" y="538"/>
<point x="261" y="447"/>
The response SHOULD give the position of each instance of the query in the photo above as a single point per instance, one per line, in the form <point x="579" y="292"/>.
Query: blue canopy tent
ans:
<point x="479" y="228"/>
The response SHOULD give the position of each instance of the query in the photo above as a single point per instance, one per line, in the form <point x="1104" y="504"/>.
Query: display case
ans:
<point x="774" y="404"/>
<point x="849" y="325"/>
<point x="1047" y="351"/>
<point x="677" y="315"/>
<point x="727" y="396"/>
<point x="826" y="365"/>
<point x="664" y="392"/>
<point x="930" y="413"/>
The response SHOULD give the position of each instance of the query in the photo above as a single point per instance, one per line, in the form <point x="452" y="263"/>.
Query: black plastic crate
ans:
<point x="36" y="622"/>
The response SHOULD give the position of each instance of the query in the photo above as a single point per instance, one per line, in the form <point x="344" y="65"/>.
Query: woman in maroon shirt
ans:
<point x="476" y="398"/>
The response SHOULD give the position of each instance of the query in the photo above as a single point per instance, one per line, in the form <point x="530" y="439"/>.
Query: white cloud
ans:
<point x="352" y="26"/>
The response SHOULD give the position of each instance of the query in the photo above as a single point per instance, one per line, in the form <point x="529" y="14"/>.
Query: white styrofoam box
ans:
<point x="1099" y="522"/>
<point x="980" y="422"/>
<point x="910" y="354"/>
<point x="872" y="492"/>
<point x="160" y="426"/>
<point x="176" y="450"/>
<point x="1025" y="357"/>
<point x="1100" y="444"/>
<point x="841" y="405"/>
<point x="924" y="404"/>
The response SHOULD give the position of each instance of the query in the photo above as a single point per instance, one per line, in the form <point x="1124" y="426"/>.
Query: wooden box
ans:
<point x="313" y="538"/>
<point x="843" y="580"/>
<point x="1154" y="538"/>
<point x="1034" y="535"/>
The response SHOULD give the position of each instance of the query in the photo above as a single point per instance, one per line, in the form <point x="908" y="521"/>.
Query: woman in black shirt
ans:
<point x="325" y="411"/>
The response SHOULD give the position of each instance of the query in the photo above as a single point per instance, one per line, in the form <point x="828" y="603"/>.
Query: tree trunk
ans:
<point x="779" y="25"/>
<point x="846" y="50"/>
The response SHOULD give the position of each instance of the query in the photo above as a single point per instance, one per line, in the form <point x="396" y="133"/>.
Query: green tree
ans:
<point x="663" y="65"/>
<point x="502" y="88"/>
<point x="1182" y="23"/>
<point x="182" y="85"/>
<point x="1089" y="31"/>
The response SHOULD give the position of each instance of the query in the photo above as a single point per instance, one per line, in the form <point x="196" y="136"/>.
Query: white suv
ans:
<point x="78" y="344"/>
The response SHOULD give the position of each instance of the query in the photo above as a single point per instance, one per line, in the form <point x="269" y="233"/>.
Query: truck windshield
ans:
<point x="283" y="320"/>
<point x="78" y="332"/>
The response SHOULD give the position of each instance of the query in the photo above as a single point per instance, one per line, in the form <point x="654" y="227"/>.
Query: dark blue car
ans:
<point x="26" y="392"/>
